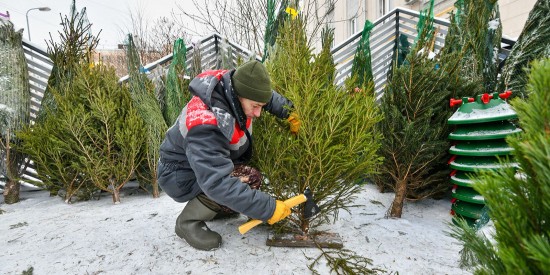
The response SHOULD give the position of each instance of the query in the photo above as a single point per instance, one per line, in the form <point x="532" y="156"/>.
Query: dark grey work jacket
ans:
<point x="207" y="139"/>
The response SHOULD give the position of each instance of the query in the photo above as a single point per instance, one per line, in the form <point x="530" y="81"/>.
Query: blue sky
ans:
<point x="112" y="17"/>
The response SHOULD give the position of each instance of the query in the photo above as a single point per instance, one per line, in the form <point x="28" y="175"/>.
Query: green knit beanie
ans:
<point x="251" y="81"/>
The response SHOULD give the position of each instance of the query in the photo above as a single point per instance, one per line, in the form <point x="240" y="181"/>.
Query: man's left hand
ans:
<point x="294" y="122"/>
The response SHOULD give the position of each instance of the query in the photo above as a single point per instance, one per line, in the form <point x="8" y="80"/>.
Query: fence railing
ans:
<point x="40" y="67"/>
<point x="384" y="41"/>
<point x="214" y="52"/>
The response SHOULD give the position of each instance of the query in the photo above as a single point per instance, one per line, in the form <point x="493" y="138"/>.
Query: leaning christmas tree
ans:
<point x="336" y="143"/>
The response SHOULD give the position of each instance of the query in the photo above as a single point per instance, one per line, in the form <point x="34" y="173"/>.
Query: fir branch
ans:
<point x="342" y="261"/>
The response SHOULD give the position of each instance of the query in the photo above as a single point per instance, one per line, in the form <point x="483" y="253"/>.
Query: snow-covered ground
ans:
<point x="137" y="237"/>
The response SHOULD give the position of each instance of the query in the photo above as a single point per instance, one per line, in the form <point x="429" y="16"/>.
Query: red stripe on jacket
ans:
<point x="216" y="73"/>
<point x="199" y="114"/>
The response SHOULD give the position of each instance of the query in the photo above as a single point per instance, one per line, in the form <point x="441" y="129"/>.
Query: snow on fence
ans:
<point x="213" y="49"/>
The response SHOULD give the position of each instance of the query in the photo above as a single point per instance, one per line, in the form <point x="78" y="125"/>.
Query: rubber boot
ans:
<point x="191" y="226"/>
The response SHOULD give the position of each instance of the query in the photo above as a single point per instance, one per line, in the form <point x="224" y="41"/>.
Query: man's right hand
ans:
<point x="281" y="211"/>
<point x="294" y="122"/>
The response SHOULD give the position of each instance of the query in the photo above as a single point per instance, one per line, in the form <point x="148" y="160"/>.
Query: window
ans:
<point x="384" y="6"/>
<point x="353" y="26"/>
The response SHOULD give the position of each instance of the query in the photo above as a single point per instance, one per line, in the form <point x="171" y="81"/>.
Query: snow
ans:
<point x="137" y="237"/>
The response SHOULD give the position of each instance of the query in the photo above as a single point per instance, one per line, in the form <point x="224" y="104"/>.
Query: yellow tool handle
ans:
<point x="249" y="225"/>
<point x="295" y="200"/>
<point x="290" y="203"/>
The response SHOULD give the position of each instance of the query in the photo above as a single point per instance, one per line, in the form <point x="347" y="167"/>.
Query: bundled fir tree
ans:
<point x="532" y="44"/>
<point x="335" y="144"/>
<point x="415" y="111"/>
<point x="361" y="70"/>
<point x="518" y="202"/>
<point x="14" y="108"/>
<point x="476" y="32"/>
<point x="143" y="96"/>
<point x="176" y="94"/>
<point x="275" y="20"/>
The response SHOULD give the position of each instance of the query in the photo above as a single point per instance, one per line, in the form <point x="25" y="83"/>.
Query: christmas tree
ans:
<point x="14" y="107"/>
<point x="75" y="46"/>
<point x="415" y="111"/>
<point x="336" y="143"/>
<point x="476" y="32"/>
<point x="518" y="202"/>
<point x="94" y="130"/>
<point x="54" y="168"/>
<point x="142" y="91"/>
<point x="176" y="94"/>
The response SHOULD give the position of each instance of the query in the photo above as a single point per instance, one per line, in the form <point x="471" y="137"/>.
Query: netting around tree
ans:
<point x="362" y="68"/>
<point x="275" y="19"/>
<point x="425" y="23"/>
<point x="175" y="96"/>
<point x="14" y="83"/>
<point x="14" y="107"/>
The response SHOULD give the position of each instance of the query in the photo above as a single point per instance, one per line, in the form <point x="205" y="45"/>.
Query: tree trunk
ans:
<point x="116" y="196"/>
<point x="304" y="225"/>
<point x="400" y="194"/>
<point x="155" y="188"/>
<point x="11" y="191"/>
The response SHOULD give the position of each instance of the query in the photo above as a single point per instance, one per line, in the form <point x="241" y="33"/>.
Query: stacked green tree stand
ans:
<point x="482" y="124"/>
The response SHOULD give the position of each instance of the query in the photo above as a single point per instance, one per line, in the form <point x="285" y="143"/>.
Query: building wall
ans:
<point x="513" y="14"/>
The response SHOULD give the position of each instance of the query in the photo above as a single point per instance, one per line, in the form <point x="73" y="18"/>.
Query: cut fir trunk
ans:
<point x="11" y="191"/>
<point x="156" y="192"/>
<point x="116" y="196"/>
<point x="396" y="208"/>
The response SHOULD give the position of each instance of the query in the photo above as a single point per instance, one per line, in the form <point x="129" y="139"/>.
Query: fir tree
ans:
<point x="94" y="130"/>
<point x="532" y="44"/>
<point x="76" y="44"/>
<point x="362" y="69"/>
<point x="415" y="111"/>
<point x="149" y="110"/>
<point x="335" y="145"/>
<point x="74" y="47"/>
<point x="14" y="108"/>
<point x="176" y="85"/>
<point x="518" y="202"/>
<point x="476" y="32"/>
<point x="333" y="149"/>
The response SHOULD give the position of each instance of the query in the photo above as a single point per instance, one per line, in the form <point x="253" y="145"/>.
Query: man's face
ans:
<point x="251" y="108"/>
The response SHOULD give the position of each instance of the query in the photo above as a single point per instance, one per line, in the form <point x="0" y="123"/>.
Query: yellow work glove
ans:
<point x="281" y="211"/>
<point x="294" y="122"/>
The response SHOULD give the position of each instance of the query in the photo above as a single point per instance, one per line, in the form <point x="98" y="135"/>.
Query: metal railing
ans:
<point x="211" y="48"/>
<point x="383" y="45"/>
<point x="40" y="66"/>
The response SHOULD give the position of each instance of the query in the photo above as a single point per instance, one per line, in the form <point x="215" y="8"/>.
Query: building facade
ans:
<point x="348" y="17"/>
